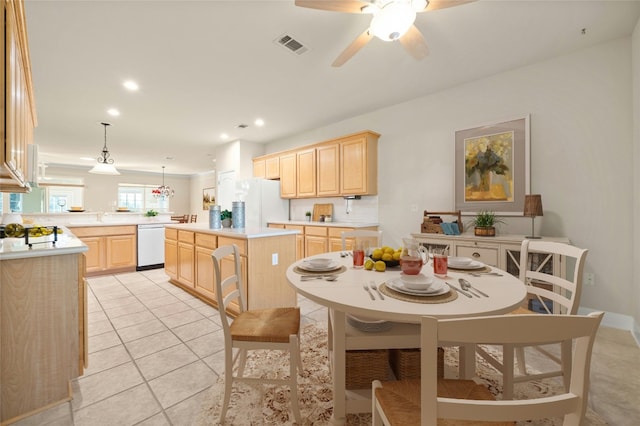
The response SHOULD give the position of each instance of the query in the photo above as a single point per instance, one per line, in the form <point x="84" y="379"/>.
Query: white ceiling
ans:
<point x="206" y="66"/>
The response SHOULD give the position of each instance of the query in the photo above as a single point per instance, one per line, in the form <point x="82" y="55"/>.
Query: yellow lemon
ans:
<point x="377" y="254"/>
<point x="368" y="264"/>
<point x="389" y="250"/>
<point x="387" y="257"/>
<point x="14" y="230"/>
<point x="396" y="255"/>
<point x="380" y="266"/>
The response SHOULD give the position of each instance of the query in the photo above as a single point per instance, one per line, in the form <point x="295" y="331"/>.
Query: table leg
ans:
<point x="338" y="372"/>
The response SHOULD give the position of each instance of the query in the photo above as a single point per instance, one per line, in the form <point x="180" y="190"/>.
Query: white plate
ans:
<point x="308" y="267"/>
<point x="473" y="265"/>
<point x="437" y="288"/>
<point x="319" y="262"/>
<point x="368" y="325"/>
<point x="457" y="262"/>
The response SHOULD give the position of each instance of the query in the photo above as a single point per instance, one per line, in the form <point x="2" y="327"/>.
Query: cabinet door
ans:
<point x="288" y="176"/>
<point x="306" y="173"/>
<point x="358" y="165"/>
<point x="204" y="273"/>
<point x="272" y="168"/>
<point x="335" y="244"/>
<point x="171" y="258"/>
<point x="186" y="273"/>
<point x="95" y="255"/>
<point x="328" y="170"/>
<point x="259" y="169"/>
<point x="315" y="245"/>
<point x="487" y="254"/>
<point x="121" y="251"/>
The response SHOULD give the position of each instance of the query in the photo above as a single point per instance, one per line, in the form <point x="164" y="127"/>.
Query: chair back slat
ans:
<point x="373" y="237"/>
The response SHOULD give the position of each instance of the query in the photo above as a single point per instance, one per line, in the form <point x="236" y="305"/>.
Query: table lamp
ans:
<point x="532" y="208"/>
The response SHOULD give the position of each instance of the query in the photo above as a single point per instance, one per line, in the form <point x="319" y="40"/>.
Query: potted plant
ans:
<point x="225" y="218"/>
<point x="308" y="215"/>
<point x="484" y="223"/>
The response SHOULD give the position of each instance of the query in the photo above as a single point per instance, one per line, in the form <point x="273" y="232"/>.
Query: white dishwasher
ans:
<point x="150" y="246"/>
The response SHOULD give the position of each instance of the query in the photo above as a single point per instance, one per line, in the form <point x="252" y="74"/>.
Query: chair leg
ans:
<point x="507" y="372"/>
<point x="242" y="363"/>
<point x="522" y="364"/>
<point x="565" y="355"/>
<point x="228" y="382"/>
<point x="294" y="363"/>
<point x="376" y="419"/>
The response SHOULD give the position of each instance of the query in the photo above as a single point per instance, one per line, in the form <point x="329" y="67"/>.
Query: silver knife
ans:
<point x="474" y="288"/>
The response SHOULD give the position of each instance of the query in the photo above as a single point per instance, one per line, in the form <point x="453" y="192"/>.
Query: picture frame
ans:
<point x="492" y="167"/>
<point x="208" y="198"/>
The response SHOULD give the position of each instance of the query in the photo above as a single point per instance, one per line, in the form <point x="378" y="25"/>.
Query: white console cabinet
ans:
<point x="501" y="251"/>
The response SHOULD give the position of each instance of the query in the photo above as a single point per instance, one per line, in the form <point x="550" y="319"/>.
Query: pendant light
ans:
<point x="163" y="192"/>
<point x="105" y="164"/>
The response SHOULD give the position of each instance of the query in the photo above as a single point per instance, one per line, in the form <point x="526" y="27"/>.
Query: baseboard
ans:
<point x="619" y="321"/>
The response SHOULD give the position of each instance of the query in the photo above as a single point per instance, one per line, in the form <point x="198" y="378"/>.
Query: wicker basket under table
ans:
<point x="365" y="366"/>
<point x="405" y="363"/>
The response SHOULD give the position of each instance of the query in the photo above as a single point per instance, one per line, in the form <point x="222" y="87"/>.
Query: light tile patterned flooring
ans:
<point x="154" y="350"/>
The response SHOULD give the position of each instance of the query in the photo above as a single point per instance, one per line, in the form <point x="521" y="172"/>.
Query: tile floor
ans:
<point x="154" y="350"/>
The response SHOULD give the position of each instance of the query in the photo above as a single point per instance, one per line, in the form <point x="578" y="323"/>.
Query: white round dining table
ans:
<point x="347" y="296"/>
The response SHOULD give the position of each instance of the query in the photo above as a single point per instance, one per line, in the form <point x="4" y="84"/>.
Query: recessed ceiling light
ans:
<point x="224" y="136"/>
<point x="131" y="85"/>
<point x="259" y="122"/>
<point x="113" y="112"/>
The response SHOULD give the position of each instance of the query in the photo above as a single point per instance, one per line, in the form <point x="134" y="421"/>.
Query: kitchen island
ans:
<point x="265" y="255"/>
<point x="42" y="322"/>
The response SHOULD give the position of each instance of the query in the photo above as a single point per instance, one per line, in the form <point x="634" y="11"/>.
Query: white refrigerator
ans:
<point x="262" y="202"/>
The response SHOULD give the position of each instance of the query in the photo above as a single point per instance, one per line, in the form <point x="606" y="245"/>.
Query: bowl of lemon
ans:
<point x="388" y="255"/>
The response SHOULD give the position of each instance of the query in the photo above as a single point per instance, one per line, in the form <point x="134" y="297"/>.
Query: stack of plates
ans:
<point x="437" y="288"/>
<point x="471" y="264"/>
<point x="368" y="325"/>
<point x="332" y="265"/>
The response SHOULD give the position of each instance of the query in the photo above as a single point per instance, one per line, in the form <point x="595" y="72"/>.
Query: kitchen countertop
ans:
<point x="15" y="248"/>
<point x="333" y="224"/>
<point x="244" y="233"/>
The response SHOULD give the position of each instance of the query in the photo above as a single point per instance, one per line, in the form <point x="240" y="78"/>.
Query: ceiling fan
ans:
<point x="392" y="20"/>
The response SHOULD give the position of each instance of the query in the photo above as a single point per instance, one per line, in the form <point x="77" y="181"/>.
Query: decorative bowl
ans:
<point x="389" y="263"/>
<point x="416" y="282"/>
<point x="319" y="262"/>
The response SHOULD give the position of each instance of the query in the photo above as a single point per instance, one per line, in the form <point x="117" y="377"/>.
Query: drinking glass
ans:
<point x="360" y="249"/>
<point x="440" y="260"/>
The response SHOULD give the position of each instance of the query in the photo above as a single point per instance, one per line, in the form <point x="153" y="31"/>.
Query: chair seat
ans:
<point x="400" y="400"/>
<point x="266" y="325"/>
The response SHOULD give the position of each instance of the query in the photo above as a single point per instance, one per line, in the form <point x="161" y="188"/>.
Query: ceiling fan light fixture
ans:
<point x="392" y="21"/>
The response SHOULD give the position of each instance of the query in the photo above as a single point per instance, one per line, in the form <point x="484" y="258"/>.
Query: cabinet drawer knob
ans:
<point x="476" y="255"/>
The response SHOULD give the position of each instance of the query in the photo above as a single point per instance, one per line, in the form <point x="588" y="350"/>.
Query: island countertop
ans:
<point x="16" y="248"/>
<point x="354" y="225"/>
<point x="244" y="233"/>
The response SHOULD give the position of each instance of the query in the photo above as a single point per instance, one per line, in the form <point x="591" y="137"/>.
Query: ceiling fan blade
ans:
<point x="442" y="4"/>
<point x="349" y="6"/>
<point x="414" y="43"/>
<point x="353" y="48"/>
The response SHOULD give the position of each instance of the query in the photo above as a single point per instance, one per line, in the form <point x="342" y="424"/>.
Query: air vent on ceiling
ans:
<point x="291" y="44"/>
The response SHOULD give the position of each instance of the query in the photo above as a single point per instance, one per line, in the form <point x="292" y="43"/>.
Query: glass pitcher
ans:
<point x="413" y="257"/>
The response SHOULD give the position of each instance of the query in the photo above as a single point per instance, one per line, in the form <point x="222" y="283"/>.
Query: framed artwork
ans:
<point x="208" y="198"/>
<point x="492" y="167"/>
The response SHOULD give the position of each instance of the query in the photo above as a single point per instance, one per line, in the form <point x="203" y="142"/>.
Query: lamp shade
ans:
<point x="533" y="205"/>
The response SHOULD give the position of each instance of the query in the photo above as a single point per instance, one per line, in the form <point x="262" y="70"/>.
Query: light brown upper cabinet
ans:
<point x="343" y="166"/>
<point x="288" y="180"/>
<point x="328" y="161"/>
<point x="359" y="164"/>
<point x="306" y="173"/>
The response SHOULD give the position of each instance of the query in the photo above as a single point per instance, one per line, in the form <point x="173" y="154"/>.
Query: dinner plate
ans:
<point x="437" y="288"/>
<point x="306" y="266"/>
<point x="473" y="265"/>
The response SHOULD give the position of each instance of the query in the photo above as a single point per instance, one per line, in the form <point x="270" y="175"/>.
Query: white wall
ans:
<point x="635" y="40"/>
<point x="198" y="183"/>
<point x="581" y="156"/>
<point x="101" y="191"/>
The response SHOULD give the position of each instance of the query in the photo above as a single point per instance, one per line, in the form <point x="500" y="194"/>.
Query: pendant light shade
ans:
<point x="105" y="164"/>
<point x="163" y="192"/>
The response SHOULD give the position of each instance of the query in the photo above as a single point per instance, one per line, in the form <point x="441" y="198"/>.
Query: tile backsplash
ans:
<point x="364" y="210"/>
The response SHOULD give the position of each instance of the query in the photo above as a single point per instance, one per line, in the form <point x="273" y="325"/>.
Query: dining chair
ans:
<point x="430" y="401"/>
<point x="554" y="295"/>
<point x="273" y="329"/>
<point x="374" y="237"/>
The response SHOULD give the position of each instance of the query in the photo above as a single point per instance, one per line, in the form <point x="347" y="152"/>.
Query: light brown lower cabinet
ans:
<point x="43" y="332"/>
<point x="264" y="261"/>
<point x="112" y="249"/>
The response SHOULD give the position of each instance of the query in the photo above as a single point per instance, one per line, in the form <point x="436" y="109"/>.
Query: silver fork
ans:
<point x="375" y="287"/>
<point x="368" y="290"/>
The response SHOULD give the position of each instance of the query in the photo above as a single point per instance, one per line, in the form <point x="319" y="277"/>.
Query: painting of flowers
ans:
<point x="492" y="167"/>
<point x="488" y="165"/>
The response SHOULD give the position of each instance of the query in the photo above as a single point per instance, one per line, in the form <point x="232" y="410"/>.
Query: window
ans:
<point x="139" y="198"/>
